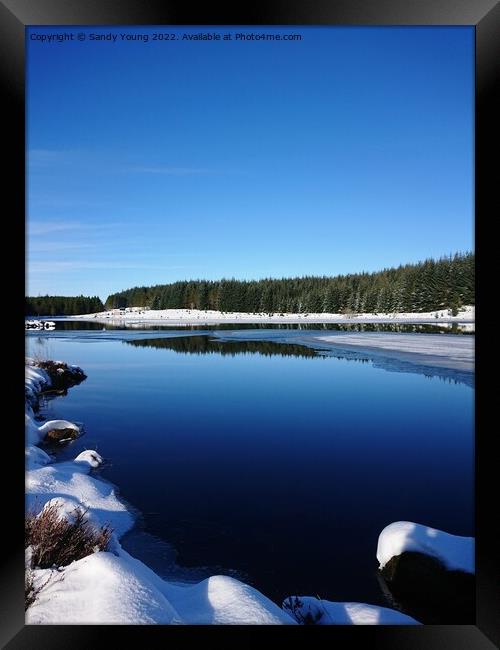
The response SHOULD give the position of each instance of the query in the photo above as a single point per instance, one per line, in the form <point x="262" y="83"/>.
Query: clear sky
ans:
<point x="150" y="162"/>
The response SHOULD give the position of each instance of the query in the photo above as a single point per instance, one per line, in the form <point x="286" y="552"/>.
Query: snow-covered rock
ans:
<point x="428" y="573"/>
<point x="455" y="552"/>
<point x="59" y="430"/>
<point x="90" y="457"/>
<point x="54" y="425"/>
<point x="309" y="610"/>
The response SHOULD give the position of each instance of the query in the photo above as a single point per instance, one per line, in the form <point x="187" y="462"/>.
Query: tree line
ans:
<point x="444" y="283"/>
<point x="62" y="305"/>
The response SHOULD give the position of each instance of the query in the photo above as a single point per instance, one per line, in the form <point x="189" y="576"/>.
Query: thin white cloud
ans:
<point x="54" y="247"/>
<point x="172" y="171"/>
<point x="45" y="227"/>
<point x="65" y="204"/>
<point x="46" y="157"/>
<point x="42" y="156"/>
<point x="77" y="265"/>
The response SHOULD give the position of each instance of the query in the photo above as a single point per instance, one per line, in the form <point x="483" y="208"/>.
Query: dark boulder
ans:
<point x="422" y="587"/>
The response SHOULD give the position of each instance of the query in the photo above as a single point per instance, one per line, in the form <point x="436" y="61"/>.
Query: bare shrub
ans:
<point x="57" y="541"/>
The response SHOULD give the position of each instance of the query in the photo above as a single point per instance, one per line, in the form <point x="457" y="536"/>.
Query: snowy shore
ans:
<point x="126" y="590"/>
<point x="210" y="317"/>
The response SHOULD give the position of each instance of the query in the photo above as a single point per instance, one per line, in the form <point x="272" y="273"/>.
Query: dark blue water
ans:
<point x="269" y="459"/>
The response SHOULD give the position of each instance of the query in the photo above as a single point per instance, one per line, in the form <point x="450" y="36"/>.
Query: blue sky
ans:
<point x="349" y="150"/>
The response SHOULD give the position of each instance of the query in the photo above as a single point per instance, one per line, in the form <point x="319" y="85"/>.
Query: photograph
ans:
<point x="250" y="325"/>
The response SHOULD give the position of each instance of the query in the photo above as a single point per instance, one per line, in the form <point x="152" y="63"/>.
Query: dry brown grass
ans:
<point x="57" y="541"/>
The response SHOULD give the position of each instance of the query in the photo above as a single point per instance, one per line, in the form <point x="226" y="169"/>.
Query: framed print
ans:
<point x="250" y="285"/>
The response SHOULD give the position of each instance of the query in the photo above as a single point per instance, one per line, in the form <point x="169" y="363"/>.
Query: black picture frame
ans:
<point x="484" y="15"/>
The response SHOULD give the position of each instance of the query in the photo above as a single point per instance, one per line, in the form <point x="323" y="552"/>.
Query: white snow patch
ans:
<point x="326" y="612"/>
<point x="100" y="588"/>
<point x="89" y="457"/>
<point x="52" y="425"/>
<point x="116" y="588"/>
<point x="222" y="600"/>
<point x="36" y="457"/>
<point x="131" y="315"/>
<point x="33" y="435"/>
<point x="456" y="552"/>
<point x="36" y="378"/>
<point x="69" y="480"/>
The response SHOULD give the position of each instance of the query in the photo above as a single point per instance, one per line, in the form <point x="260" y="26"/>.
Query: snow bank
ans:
<point x="306" y="609"/>
<point x="70" y="481"/>
<point x="36" y="457"/>
<point x="455" y="552"/>
<point x="116" y="588"/>
<point x="99" y="589"/>
<point x="33" y="435"/>
<point x="35" y="380"/>
<point x="222" y="600"/>
<point x="193" y="316"/>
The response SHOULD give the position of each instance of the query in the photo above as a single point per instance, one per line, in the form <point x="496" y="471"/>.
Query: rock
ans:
<point x="61" y="375"/>
<point x="90" y="458"/>
<point x="61" y="434"/>
<point x="422" y="586"/>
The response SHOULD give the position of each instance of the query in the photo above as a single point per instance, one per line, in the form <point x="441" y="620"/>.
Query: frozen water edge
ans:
<point x="436" y="350"/>
<point x="445" y="355"/>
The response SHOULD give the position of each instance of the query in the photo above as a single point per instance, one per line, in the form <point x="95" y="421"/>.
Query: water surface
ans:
<point x="267" y="460"/>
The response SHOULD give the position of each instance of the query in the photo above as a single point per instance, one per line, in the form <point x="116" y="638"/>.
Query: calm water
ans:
<point x="266" y="460"/>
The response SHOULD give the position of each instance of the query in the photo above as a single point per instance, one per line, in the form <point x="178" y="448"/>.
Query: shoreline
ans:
<point x="209" y="317"/>
<point x="128" y="591"/>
